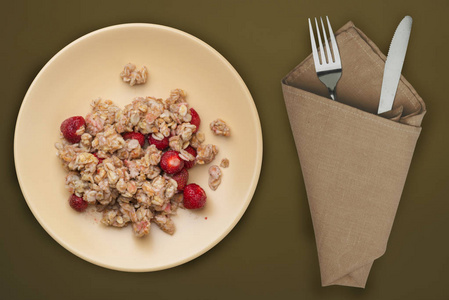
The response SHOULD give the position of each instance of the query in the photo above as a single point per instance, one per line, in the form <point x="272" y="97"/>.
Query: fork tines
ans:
<point x="328" y="69"/>
<point x="329" y="59"/>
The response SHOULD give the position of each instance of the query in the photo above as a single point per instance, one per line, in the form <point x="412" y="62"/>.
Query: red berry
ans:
<point x="69" y="128"/>
<point x="181" y="178"/>
<point x="194" y="196"/>
<point x="136" y="136"/>
<point x="171" y="163"/>
<point x="161" y="145"/>
<point x="77" y="203"/>
<point x="190" y="163"/>
<point x="195" y="119"/>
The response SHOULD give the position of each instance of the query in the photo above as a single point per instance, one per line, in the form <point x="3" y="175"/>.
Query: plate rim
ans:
<point x="250" y="191"/>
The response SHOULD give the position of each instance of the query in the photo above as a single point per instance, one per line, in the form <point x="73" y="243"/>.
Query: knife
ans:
<point x="393" y="65"/>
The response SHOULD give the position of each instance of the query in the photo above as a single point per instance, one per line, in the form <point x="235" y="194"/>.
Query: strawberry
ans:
<point x="194" y="196"/>
<point x="77" y="203"/>
<point x="69" y="128"/>
<point x="161" y="145"/>
<point x="171" y="163"/>
<point x="190" y="163"/>
<point x="195" y="119"/>
<point x="181" y="178"/>
<point x="136" y="136"/>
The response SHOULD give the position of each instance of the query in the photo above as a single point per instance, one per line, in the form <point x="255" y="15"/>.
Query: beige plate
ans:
<point x="89" y="68"/>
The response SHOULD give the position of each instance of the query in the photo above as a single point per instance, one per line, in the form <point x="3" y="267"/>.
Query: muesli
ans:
<point x="133" y="163"/>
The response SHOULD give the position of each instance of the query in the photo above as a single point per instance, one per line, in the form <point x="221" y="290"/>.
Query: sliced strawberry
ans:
<point x="77" y="203"/>
<point x="181" y="178"/>
<point x="171" y="163"/>
<point x="194" y="196"/>
<point x="190" y="163"/>
<point x="161" y="145"/>
<point x="195" y="119"/>
<point x="135" y="136"/>
<point x="70" y="127"/>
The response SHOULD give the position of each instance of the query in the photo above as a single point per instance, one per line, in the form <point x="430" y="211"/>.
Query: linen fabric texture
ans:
<point x="354" y="162"/>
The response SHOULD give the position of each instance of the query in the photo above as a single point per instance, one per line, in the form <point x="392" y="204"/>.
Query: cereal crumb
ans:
<point x="219" y="127"/>
<point x="206" y="153"/>
<point x="224" y="163"/>
<point x="133" y="76"/>
<point x="214" y="177"/>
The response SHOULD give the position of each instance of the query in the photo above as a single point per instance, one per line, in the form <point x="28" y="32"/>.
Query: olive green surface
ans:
<point x="271" y="253"/>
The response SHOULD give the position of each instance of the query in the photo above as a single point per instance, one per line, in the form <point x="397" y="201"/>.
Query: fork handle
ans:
<point x="332" y="93"/>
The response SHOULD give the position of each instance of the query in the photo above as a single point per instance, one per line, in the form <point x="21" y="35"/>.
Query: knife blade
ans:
<point x="393" y="64"/>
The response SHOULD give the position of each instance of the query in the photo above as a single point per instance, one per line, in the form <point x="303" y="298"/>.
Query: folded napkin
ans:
<point x="354" y="162"/>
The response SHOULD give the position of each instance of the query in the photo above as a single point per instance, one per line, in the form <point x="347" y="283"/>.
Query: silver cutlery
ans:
<point x="328" y="68"/>
<point x="393" y="64"/>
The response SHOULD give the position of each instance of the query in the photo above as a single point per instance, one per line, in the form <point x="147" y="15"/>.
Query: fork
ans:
<point x="328" y="68"/>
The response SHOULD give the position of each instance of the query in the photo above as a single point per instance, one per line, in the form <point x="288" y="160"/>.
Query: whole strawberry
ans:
<point x="181" y="178"/>
<point x="135" y="136"/>
<point x="194" y="196"/>
<point x="171" y="163"/>
<point x="190" y="163"/>
<point x="195" y="119"/>
<point x="160" y="145"/>
<point x="77" y="203"/>
<point x="70" y="127"/>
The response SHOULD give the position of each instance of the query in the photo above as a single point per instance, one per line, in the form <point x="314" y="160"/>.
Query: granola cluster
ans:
<point x="131" y="75"/>
<point x="122" y="178"/>
<point x="214" y="177"/>
<point x="219" y="127"/>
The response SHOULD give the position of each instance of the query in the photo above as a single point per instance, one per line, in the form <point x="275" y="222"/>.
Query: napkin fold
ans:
<point x="354" y="162"/>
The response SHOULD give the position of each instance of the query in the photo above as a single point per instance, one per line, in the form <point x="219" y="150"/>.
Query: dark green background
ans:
<point x="271" y="253"/>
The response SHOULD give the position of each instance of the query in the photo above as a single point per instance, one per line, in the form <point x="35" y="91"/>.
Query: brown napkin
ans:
<point x="354" y="162"/>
